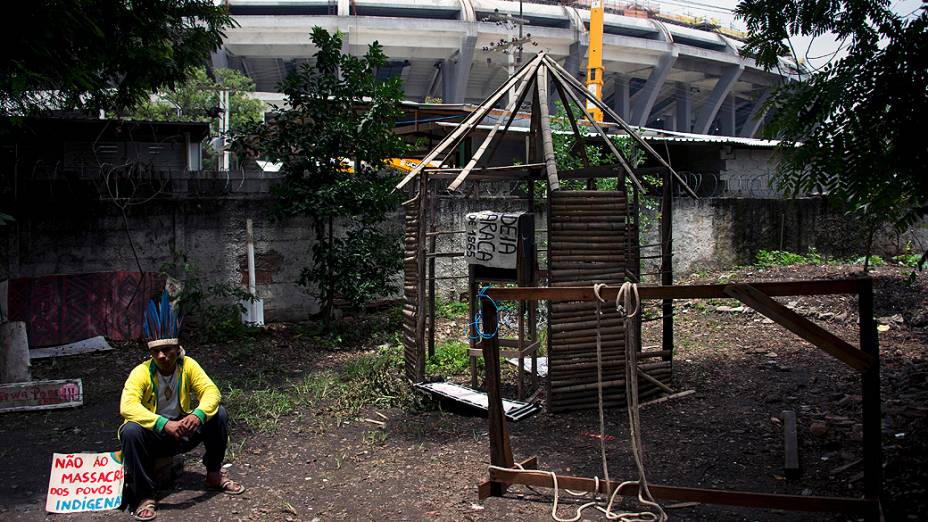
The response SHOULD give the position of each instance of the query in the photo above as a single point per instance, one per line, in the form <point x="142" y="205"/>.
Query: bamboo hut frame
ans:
<point x="535" y="78"/>
<point x="865" y="359"/>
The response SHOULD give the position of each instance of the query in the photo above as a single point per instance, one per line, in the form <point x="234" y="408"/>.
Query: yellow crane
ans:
<point x="594" y="67"/>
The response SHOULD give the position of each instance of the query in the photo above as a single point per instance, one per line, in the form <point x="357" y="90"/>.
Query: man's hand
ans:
<point x="190" y="424"/>
<point x="175" y="429"/>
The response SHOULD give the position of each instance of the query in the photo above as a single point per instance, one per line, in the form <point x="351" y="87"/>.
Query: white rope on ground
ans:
<point x="599" y="382"/>
<point x="626" y="299"/>
<point x="628" y="303"/>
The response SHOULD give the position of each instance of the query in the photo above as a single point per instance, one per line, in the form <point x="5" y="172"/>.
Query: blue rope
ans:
<point x="478" y="319"/>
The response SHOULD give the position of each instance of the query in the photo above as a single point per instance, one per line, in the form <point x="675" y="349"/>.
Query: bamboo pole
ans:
<point x="541" y="86"/>
<point x="420" y="280"/>
<point x="561" y="73"/>
<point x="511" y="109"/>
<point x="472" y="120"/>
<point x="623" y="161"/>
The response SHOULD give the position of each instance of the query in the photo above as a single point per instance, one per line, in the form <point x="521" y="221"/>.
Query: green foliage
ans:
<point x="871" y="260"/>
<point x="909" y="260"/>
<point x="568" y="157"/>
<point x="356" y="265"/>
<point x="859" y="117"/>
<point x="451" y="309"/>
<point x="259" y="409"/>
<point x="5" y="218"/>
<point x="337" y="111"/>
<point x="450" y="358"/>
<point x="197" y="99"/>
<point x="374" y="378"/>
<point x="103" y="54"/>
<point x="212" y="313"/>
<point x="354" y="332"/>
<point x="771" y="258"/>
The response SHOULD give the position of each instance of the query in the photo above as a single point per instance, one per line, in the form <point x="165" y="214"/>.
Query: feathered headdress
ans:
<point x="162" y="322"/>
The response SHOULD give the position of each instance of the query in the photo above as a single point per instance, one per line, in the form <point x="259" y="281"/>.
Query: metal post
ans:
<point x="667" y="263"/>
<point x="872" y="418"/>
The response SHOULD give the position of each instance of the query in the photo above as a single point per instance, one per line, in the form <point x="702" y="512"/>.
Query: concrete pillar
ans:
<point x="219" y="59"/>
<point x="344" y="7"/>
<point x="710" y="108"/>
<point x="727" y="117"/>
<point x="620" y="100"/>
<point x="455" y="72"/>
<point x="645" y="98"/>
<point x="14" y="353"/>
<point x="756" y="116"/>
<point x="575" y="63"/>
<point x="684" y="114"/>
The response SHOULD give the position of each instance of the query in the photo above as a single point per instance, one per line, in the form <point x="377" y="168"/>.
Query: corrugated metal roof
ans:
<point x="674" y="136"/>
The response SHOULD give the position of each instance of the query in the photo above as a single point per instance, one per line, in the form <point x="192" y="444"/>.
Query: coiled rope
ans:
<point x="477" y="323"/>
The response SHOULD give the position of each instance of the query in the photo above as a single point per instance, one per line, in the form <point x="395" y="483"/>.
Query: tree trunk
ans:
<point x="868" y="249"/>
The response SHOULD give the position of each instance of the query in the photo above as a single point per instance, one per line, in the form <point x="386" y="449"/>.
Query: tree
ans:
<point x="332" y="141"/>
<point x="197" y="99"/>
<point x="102" y="54"/>
<point x="856" y="120"/>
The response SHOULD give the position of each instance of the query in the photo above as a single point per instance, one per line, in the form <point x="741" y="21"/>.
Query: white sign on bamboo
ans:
<point x="492" y="238"/>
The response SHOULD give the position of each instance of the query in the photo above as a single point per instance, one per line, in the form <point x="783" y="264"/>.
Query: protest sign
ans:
<point x="492" y="238"/>
<point x="85" y="482"/>
<point x="41" y="395"/>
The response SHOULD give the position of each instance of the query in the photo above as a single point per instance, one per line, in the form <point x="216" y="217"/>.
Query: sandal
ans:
<point x="147" y="505"/>
<point x="228" y="486"/>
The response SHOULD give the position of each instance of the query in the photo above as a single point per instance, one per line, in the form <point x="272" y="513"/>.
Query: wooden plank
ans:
<point x="41" y="395"/>
<point x="94" y="344"/>
<point x="790" y="445"/>
<point x="484" y="488"/>
<point x="500" y="450"/>
<point x="585" y="293"/>
<point x="799" y="325"/>
<point x="687" y="494"/>
<point x="421" y="273"/>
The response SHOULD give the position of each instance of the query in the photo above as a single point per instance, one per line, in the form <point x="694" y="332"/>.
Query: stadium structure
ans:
<point x="662" y="70"/>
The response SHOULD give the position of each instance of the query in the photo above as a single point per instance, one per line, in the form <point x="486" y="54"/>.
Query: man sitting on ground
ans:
<point x="159" y="421"/>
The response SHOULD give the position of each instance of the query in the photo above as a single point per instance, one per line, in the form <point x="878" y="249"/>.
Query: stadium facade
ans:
<point x="659" y="71"/>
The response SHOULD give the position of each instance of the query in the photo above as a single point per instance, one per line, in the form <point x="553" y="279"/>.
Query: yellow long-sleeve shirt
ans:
<point x="139" y="400"/>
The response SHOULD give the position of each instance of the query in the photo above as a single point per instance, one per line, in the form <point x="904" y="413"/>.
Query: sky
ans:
<point x="819" y="50"/>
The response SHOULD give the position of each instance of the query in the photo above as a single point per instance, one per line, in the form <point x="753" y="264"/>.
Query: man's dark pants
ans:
<point x="141" y="447"/>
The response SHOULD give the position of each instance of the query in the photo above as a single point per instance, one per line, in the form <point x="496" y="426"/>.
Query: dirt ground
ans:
<point x="425" y="464"/>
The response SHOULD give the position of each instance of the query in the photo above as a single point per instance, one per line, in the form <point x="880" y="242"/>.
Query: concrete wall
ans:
<point x="748" y="172"/>
<point x="211" y="233"/>
<point x="722" y="232"/>
<point x="708" y="234"/>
